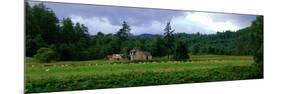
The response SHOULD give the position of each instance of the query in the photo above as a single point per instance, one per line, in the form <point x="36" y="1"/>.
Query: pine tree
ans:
<point x="169" y="38"/>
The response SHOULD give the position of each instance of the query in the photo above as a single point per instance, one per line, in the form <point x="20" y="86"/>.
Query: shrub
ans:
<point x="46" y="55"/>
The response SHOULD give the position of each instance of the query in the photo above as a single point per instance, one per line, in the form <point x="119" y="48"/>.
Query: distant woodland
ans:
<point x="64" y="40"/>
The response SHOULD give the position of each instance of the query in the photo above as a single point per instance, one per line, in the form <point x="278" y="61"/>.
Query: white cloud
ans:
<point x="190" y="23"/>
<point x="205" y="20"/>
<point x="182" y="24"/>
<point x="95" y="24"/>
<point x="155" y="28"/>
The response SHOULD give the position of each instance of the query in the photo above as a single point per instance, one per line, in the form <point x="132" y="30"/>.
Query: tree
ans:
<point x="72" y="41"/>
<point x="195" y="49"/>
<point x="158" y="47"/>
<point x="40" y="22"/>
<point x="46" y="22"/>
<point x="169" y="38"/>
<point x="80" y="30"/>
<point x="122" y="36"/>
<point x="46" y="55"/>
<point x="210" y="50"/>
<point x="99" y="46"/>
<point x="124" y="32"/>
<point x="181" y="51"/>
<point x="243" y="42"/>
<point x="257" y="39"/>
<point x="68" y="32"/>
<point x="81" y="36"/>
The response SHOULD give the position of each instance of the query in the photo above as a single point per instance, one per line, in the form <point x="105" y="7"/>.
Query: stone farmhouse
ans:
<point x="137" y="54"/>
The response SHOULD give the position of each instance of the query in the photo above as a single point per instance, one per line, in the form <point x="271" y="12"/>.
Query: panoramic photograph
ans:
<point x="72" y="46"/>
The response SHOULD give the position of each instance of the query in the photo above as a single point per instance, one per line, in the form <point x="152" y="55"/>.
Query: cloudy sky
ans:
<point x="108" y="19"/>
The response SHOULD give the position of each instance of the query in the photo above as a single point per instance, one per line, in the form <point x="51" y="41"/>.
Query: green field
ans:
<point x="96" y="74"/>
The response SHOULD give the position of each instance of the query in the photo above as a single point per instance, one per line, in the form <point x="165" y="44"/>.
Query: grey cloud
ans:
<point x="145" y="20"/>
<point x="116" y="15"/>
<point x="242" y="20"/>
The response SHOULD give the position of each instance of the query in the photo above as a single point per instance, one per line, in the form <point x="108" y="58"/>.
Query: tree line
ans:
<point x="66" y="40"/>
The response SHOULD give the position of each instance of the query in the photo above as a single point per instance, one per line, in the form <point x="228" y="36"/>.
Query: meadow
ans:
<point x="97" y="74"/>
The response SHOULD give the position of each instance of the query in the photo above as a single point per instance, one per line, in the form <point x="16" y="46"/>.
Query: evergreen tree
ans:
<point x="124" y="32"/>
<point x="169" y="38"/>
<point x="121" y="37"/>
<point x="181" y="51"/>
<point x="158" y="47"/>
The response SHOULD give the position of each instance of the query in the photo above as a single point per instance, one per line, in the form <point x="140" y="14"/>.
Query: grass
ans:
<point x="95" y="74"/>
